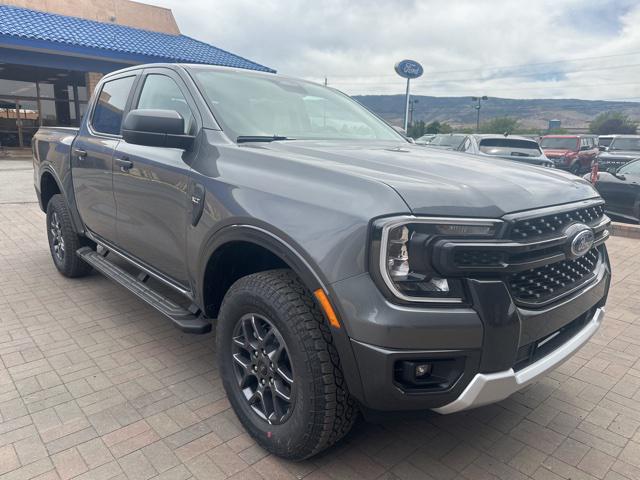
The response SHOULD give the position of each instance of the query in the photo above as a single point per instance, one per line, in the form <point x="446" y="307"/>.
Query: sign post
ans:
<point x="408" y="69"/>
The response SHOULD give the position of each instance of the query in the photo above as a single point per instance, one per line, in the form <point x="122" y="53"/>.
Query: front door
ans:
<point x="151" y="189"/>
<point x="92" y="157"/>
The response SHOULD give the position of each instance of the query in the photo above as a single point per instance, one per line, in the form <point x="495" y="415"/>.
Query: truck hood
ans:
<point x="439" y="182"/>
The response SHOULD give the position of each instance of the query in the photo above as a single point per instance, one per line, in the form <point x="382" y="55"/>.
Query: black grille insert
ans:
<point x="540" y="285"/>
<point x="555" y="223"/>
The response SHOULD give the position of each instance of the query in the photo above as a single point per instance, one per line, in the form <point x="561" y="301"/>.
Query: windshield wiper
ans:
<point x="261" y="138"/>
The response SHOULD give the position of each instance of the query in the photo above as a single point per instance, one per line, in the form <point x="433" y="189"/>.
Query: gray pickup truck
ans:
<point x="344" y="269"/>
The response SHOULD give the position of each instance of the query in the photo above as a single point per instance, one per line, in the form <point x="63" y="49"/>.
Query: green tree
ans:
<point x="416" y="129"/>
<point x="613" y="122"/>
<point x="500" y="125"/>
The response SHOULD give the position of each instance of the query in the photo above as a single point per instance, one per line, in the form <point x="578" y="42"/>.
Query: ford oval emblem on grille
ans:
<point x="582" y="242"/>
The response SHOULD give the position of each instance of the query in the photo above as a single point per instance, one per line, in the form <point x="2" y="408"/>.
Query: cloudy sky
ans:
<point x="586" y="49"/>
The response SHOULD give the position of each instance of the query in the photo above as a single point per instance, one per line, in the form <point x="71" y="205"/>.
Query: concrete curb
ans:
<point x="628" y="230"/>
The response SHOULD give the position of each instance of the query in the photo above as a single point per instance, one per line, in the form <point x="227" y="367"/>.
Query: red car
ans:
<point x="570" y="152"/>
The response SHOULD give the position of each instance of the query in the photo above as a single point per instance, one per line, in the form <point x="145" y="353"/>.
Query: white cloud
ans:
<point x="355" y="43"/>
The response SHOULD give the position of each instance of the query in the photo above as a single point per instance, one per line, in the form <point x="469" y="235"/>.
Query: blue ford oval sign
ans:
<point x="409" y="69"/>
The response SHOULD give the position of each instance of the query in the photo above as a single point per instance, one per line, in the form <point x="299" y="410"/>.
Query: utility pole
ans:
<point x="477" y="107"/>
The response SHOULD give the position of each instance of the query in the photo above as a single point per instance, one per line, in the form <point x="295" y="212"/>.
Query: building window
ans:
<point x="31" y="97"/>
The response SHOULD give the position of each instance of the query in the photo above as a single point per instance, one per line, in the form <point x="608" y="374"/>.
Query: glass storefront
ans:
<point x="31" y="97"/>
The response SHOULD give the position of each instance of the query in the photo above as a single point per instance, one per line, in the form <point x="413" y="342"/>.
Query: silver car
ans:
<point x="511" y="147"/>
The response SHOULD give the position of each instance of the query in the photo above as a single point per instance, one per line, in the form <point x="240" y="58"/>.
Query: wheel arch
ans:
<point x="49" y="186"/>
<point x="256" y="243"/>
<point x="283" y="254"/>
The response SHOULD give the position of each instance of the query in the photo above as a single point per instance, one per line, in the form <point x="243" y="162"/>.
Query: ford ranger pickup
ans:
<point x="342" y="268"/>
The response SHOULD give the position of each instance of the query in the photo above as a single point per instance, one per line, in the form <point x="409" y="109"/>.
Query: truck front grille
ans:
<point x="543" y="284"/>
<point x="528" y="229"/>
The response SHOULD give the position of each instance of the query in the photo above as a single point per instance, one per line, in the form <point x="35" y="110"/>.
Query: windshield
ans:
<point x="258" y="105"/>
<point x="509" y="146"/>
<point x="559" y="143"/>
<point x="625" y="143"/>
<point x="453" y="141"/>
<point x="605" y="141"/>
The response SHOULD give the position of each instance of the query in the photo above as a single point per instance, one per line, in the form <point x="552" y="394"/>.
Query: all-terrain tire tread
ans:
<point x="335" y="409"/>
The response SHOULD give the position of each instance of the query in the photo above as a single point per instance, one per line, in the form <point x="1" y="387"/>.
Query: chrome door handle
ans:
<point x="124" y="163"/>
<point x="78" y="152"/>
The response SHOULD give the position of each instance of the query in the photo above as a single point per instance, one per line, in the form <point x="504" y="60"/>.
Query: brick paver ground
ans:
<point x="94" y="384"/>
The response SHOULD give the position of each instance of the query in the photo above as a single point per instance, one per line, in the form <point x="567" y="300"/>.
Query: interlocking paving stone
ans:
<point x="95" y="385"/>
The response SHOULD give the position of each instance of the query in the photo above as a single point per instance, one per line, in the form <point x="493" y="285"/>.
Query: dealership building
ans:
<point x="53" y="52"/>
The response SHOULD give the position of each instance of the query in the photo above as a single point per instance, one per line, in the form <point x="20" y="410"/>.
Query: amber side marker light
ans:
<point x="327" y="308"/>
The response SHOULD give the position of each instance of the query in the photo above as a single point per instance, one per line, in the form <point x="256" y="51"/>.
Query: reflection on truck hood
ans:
<point x="438" y="182"/>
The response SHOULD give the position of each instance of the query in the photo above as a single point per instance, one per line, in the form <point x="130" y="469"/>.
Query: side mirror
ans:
<point x="620" y="176"/>
<point x="602" y="148"/>
<point x="156" y="128"/>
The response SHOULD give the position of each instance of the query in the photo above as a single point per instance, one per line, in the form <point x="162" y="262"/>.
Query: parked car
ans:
<point x="574" y="153"/>
<point x="425" y="139"/>
<point x="604" y="141"/>
<point x="520" y="149"/>
<point x="343" y="268"/>
<point x="621" y="150"/>
<point x="447" y="141"/>
<point x="621" y="190"/>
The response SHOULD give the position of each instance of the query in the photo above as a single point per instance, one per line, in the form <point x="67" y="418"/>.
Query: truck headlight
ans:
<point x="402" y="249"/>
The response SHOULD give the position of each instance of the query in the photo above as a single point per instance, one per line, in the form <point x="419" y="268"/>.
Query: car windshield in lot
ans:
<point x="625" y="143"/>
<point x="453" y="141"/>
<point x="509" y="146"/>
<point x="559" y="143"/>
<point x="269" y="107"/>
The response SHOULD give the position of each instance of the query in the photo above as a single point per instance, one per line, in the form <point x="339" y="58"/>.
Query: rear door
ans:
<point x="92" y="156"/>
<point x="152" y="192"/>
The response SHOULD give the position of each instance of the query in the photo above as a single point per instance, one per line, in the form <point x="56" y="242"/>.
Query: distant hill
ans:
<point x="459" y="111"/>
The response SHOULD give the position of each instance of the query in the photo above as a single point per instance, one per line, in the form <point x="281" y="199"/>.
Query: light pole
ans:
<point x="477" y="107"/>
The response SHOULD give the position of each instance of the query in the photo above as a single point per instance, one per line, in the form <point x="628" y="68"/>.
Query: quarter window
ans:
<point x="161" y="92"/>
<point x="107" y="115"/>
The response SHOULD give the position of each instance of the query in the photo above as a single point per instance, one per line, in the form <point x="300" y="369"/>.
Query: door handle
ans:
<point x="124" y="163"/>
<point x="78" y="152"/>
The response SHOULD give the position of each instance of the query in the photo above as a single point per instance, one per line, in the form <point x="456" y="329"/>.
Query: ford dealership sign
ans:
<point x="409" y="69"/>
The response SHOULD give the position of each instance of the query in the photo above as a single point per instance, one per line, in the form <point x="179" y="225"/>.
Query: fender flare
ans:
<point x="291" y="254"/>
<point x="75" y="216"/>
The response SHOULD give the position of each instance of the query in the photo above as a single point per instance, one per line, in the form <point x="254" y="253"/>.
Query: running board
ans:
<point x="189" y="322"/>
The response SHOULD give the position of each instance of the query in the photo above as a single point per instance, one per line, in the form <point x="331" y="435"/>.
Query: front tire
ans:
<point x="279" y="367"/>
<point x="63" y="240"/>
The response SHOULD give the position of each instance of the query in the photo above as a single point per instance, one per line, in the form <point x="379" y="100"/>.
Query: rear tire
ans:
<point x="320" y="410"/>
<point x="63" y="240"/>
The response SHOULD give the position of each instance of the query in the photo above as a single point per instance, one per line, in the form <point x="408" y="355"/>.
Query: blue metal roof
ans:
<point x="69" y="35"/>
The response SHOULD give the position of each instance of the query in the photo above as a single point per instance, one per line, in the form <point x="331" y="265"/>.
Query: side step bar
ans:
<point x="189" y="322"/>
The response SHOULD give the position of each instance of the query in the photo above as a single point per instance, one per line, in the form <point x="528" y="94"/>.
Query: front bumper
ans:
<point x="486" y="388"/>
<point x="489" y="341"/>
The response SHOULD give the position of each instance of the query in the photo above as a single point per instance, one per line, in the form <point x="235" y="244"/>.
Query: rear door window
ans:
<point x="107" y="114"/>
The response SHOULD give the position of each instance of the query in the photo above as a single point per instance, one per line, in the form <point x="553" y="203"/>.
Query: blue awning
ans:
<point x="52" y="34"/>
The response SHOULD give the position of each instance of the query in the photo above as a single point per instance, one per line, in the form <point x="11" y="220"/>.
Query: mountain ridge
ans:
<point x="534" y="113"/>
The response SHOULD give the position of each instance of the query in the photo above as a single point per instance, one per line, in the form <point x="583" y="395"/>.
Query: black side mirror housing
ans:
<point x="156" y="128"/>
